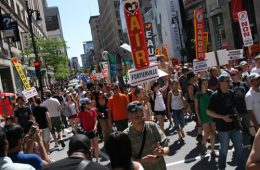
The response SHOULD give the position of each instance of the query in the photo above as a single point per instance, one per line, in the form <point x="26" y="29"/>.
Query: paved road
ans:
<point x="183" y="155"/>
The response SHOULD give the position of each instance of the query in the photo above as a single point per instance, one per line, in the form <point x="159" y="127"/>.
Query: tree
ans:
<point x="53" y="55"/>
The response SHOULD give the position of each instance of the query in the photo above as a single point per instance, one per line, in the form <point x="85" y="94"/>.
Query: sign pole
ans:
<point x="217" y="60"/>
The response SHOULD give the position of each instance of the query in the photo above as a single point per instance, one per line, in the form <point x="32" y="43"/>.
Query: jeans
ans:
<point x="236" y="138"/>
<point x="178" y="118"/>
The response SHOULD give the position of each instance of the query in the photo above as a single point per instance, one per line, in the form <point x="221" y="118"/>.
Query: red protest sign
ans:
<point x="199" y="34"/>
<point x="5" y="107"/>
<point x="136" y="33"/>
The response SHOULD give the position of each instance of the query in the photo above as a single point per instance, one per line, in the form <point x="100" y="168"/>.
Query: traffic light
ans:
<point x="37" y="66"/>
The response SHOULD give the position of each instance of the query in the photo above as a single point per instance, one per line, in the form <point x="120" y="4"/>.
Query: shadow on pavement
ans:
<point x="205" y="163"/>
<point x="177" y="145"/>
<point x="192" y="154"/>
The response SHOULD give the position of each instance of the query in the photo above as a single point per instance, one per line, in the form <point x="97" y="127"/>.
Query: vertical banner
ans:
<point x="245" y="28"/>
<point x="19" y="69"/>
<point x="199" y="34"/>
<point x="206" y="40"/>
<point x="148" y="29"/>
<point x="165" y="52"/>
<point x="158" y="51"/>
<point x="236" y="6"/>
<point x="136" y="33"/>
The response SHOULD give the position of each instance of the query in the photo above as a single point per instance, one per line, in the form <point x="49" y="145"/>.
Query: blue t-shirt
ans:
<point x="31" y="159"/>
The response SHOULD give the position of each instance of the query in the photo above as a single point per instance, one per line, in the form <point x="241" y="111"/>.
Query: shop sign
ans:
<point x="136" y="33"/>
<point x="245" y="28"/>
<point x="148" y="28"/>
<point x="199" y="34"/>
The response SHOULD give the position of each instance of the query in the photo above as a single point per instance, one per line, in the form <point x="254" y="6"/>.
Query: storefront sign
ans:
<point x="199" y="66"/>
<point x="245" y="28"/>
<point x="235" y="54"/>
<point x="158" y="51"/>
<point x="143" y="75"/>
<point x="30" y="93"/>
<point x="148" y="29"/>
<point x="199" y="34"/>
<point x="136" y="33"/>
<point x="206" y="40"/>
<point x="19" y="69"/>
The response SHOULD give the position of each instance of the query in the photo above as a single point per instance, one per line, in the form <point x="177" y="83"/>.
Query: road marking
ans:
<point x="198" y="157"/>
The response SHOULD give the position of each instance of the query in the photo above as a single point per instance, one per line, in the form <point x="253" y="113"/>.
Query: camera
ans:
<point x="32" y="131"/>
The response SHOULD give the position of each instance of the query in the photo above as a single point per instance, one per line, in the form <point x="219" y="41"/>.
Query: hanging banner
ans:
<point x="136" y="33"/>
<point x="19" y="69"/>
<point x="148" y="29"/>
<point x="199" y="34"/>
<point x="206" y="40"/>
<point x="165" y="52"/>
<point x="236" y="6"/>
<point x="158" y="51"/>
<point x="245" y="28"/>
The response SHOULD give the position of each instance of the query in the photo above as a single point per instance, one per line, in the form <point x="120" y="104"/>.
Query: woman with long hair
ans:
<point x="72" y="107"/>
<point x="201" y="101"/>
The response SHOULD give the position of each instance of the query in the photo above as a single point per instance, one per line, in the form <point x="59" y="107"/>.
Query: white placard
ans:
<point x="143" y="75"/>
<point x="199" y="66"/>
<point x="223" y="57"/>
<point x="9" y="33"/>
<point x="235" y="54"/>
<point x="245" y="28"/>
<point x="211" y="59"/>
<point x="30" y="93"/>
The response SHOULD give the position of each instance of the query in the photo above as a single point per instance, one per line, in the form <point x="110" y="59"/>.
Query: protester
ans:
<point x="5" y="162"/>
<point x="253" y="162"/>
<point x="148" y="114"/>
<point x="72" y="108"/>
<point x="148" y="135"/>
<point x="43" y="119"/>
<point x="213" y="80"/>
<point x="201" y="103"/>
<point x="256" y="69"/>
<point x="176" y="104"/>
<point x="88" y="119"/>
<point x="183" y="80"/>
<point x="131" y="95"/>
<point x="227" y="122"/>
<point x="79" y="156"/>
<point x="245" y="72"/>
<point x="119" y="150"/>
<point x="117" y="112"/>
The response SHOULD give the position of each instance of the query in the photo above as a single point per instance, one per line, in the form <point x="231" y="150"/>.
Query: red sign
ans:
<point x="5" y="107"/>
<point x="136" y="33"/>
<point x="199" y="34"/>
<point x="236" y="6"/>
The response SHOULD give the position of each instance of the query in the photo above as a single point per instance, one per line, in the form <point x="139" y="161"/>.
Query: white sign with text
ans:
<point x="245" y="28"/>
<point x="199" y="66"/>
<point x="30" y="93"/>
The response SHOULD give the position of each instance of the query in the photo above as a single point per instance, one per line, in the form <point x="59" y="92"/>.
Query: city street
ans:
<point x="183" y="155"/>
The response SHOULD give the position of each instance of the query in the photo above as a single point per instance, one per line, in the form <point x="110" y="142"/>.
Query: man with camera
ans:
<point x="227" y="122"/>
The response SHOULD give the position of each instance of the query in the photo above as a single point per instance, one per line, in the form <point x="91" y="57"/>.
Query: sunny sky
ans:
<point x="75" y="22"/>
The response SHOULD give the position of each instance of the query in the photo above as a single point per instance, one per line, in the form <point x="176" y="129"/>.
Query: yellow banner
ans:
<point x="206" y="40"/>
<point x="19" y="69"/>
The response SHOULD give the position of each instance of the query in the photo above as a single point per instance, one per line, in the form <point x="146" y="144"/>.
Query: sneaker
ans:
<point x="203" y="149"/>
<point x="199" y="138"/>
<point x="62" y="143"/>
<point x="213" y="154"/>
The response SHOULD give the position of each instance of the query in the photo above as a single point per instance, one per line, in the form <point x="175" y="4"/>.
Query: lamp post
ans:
<point x="175" y="19"/>
<point x="37" y="62"/>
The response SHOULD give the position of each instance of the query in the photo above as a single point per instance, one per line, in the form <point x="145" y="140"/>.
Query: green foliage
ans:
<point x="62" y="72"/>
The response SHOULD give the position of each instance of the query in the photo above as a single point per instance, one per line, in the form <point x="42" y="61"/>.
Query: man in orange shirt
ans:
<point x="131" y="96"/>
<point x="117" y="109"/>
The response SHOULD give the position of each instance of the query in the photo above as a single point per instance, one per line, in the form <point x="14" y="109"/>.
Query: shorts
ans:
<point x="73" y="116"/>
<point x="178" y="118"/>
<point x="245" y="120"/>
<point x="121" y="125"/>
<point x="46" y="135"/>
<point x="163" y="113"/>
<point x="91" y="134"/>
<point x="56" y="124"/>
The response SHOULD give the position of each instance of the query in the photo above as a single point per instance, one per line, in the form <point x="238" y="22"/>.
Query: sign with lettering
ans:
<point x="199" y="34"/>
<point x="148" y="29"/>
<point x="143" y="75"/>
<point x="245" y="28"/>
<point x="235" y="54"/>
<point x="199" y="66"/>
<point x="19" y="70"/>
<point x="206" y="40"/>
<point x="30" y="93"/>
<point x="136" y="33"/>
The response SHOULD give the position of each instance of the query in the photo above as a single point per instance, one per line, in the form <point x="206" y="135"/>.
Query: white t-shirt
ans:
<point x="159" y="104"/>
<point x="176" y="102"/>
<point x="53" y="106"/>
<point x="73" y="108"/>
<point x="255" y="70"/>
<point x="81" y="95"/>
<point x="7" y="164"/>
<point x="253" y="103"/>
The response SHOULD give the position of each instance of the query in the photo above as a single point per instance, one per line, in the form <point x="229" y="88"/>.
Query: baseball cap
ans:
<point x="222" y="77"/>
<point x="85" y="100"/>
<point x="242" y="63"/>
<point x="233" y="72"/>
<point x="253" y="76"/>
<point x="133" y="106"/>
<point x="257" y="57"/>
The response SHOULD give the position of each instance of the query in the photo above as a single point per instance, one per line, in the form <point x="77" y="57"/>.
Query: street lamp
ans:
<point x="175" y="19"/>
<point x="37" y="62"/>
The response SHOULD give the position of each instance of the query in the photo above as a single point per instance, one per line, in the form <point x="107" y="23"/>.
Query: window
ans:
<point x="18" y="10"/>
<point x="12" y="4"/>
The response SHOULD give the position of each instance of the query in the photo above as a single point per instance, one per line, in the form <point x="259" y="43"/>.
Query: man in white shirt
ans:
<point x="53" y="106"/>
<point x="256" y="69"/>
<point x="5" y="162"/>
<point x="253" y="99"/>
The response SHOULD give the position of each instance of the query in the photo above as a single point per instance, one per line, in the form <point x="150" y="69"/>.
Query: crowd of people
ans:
<point x="130" y="120"/>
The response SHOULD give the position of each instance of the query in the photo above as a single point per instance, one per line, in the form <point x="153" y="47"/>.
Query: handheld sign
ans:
<point x="136" y="33"/>
<point x="245" y="28"/>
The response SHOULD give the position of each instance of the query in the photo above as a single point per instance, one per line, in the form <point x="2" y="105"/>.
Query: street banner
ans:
<point x="165" y="52"/>
<point x="199" y="66"/>
<point x="206" y="40"/>
<point x="148" y="29"/>
<point x="136" y="33"/>
<point x="245" y="28"/>
<point x="19" y="70"/>
<point x="158" y="51"/>
<point x="235" y="54"/>
<point x="143" y="75"/>
<point x="30" y="93"/>
<point x="236" y="6"/>
<point x="211" y="59"/>
<point x="5" y="107"/>
<point x="199" y="34"/>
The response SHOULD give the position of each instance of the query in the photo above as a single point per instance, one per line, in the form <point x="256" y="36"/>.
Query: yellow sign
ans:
<point x="206" y="40"/>
<point x="19" y="69"/>
<point x="165" y="53"/>
<point x="158" y="51"/>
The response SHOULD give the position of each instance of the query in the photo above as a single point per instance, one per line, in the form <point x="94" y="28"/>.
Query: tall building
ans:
<point x="84" y="60"/>
<point x="88" y="58"/>
<point x="110" y="22"/>
<point x="74" y="63"/>
<point x="96" y="32"/>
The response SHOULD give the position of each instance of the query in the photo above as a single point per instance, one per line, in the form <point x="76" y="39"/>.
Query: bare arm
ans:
<point x="218" y="116"/>
<point x="253" y="162"/>
<point x="196" y="104"/>
<point x="165" y="86"/>
<point x="253" y="118"/>
<point x="109" y="118"/>
<point x="48" y="118"/>
<point x="169" y="102"/>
